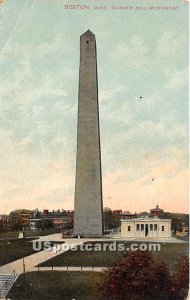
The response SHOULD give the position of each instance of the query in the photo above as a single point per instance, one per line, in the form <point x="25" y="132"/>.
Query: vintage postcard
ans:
<point x="94" y="149"/>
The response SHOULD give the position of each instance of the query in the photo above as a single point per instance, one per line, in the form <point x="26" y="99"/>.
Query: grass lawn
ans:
<point x="31" y="233"/>
<point x="168" y="253"/>
<point x="11" y="250"/>
<point x="9" y="235"/>
<point x="28" y="233"/>
<point x="57" y="285"/>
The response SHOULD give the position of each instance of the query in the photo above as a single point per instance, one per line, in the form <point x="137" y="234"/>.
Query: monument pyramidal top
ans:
<point x="88" y="33"/>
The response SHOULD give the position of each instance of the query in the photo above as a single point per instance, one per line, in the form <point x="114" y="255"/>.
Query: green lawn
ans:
<point x="28" y="233"/>
<point x="31" y="233"/>
<point x="9" y="235"/>
<point x="168" y="253"/>
<point x="11" y="250"/>
<point x="57" y="285"/>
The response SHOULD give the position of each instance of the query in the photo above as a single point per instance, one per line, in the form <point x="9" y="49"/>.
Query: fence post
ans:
<point x="81" y="268"/>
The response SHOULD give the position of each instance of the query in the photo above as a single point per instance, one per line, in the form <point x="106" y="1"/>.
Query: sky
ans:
<point x="144" y="141"/>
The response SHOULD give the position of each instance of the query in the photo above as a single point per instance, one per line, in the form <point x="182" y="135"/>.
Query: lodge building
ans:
<point x="145" y="227"/>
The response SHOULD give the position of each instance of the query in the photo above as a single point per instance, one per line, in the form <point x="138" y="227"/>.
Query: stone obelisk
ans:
<point x="88" y="184"/>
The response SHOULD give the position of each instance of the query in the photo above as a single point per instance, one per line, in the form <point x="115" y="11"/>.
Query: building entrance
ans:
<point x="146" y="230"/>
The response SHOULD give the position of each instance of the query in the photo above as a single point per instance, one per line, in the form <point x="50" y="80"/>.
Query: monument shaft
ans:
<point x="88" y="184"/>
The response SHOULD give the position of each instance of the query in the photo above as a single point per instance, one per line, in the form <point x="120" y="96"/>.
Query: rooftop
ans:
<point x="156" y="209"/>
<point x="147" y="219"/>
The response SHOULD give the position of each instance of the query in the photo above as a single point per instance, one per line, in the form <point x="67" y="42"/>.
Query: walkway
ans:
<point x="33" y="260"/>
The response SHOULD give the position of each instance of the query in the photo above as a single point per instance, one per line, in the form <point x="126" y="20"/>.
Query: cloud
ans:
<point x="133" y="55"/>
<point x="171" y="45"/>
<point x="179" y="79"/>
<point x="110" y="93"/>
<point x="44" y="48"/>
<point x="112" y="114"/>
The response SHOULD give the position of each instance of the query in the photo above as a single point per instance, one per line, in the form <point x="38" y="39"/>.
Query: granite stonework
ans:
<point x="88" y="184"/>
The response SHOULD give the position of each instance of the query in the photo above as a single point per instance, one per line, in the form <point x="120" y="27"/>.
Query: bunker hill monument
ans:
<point x="88" y="184"/>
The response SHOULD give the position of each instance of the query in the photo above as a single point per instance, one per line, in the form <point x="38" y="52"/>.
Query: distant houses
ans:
<point x="32" y="220"/>
<point x="59" y="219"/>
<point x="113" y="220"/>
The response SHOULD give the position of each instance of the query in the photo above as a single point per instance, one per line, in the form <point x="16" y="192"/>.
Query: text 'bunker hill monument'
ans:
<point x="88" y="183"/>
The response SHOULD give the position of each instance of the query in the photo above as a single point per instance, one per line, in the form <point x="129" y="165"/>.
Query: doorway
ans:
<point x="146" y="230"/>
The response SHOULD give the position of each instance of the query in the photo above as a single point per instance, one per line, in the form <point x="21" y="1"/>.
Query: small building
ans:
<point x="145" y="227"/>
<point x="24" y="219"/>
<point x="117" y="212"/>
<point x="34" y="223"/>
<point x="59" y="223"/>
<point x="157" y="211"/>
<point x="185" y="229"/>
<point x="128" y="215"/>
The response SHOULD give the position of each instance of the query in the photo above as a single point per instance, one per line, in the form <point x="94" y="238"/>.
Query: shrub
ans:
<point x="180" y="277"/>
<point x="137" y="276"/>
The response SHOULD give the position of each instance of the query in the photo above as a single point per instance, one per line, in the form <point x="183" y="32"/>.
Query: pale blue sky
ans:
<point x="140" y="54"/>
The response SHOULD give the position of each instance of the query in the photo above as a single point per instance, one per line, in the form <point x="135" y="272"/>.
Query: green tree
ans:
<point x="111" y="220"/>
<point x="178" y="220"/>
<point x="137" y="276"/>
<point x="46" y="224"/>
<point x="180" y="277"/>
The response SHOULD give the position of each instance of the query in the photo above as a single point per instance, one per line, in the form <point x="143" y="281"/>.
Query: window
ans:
<point x="129" y="228"/>
<point x="87" y="42"/>
<point x="137" y="227"/>
<point x="151" y="227"/>
<point x="142" y="227"/>
<point x="155" y="227"/>
<point x="162" y="228"/>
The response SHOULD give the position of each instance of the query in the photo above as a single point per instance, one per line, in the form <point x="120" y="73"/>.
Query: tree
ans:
<point x="137" y="276"/>
<point x="180" y="277"/>
<point x="111" y="221"/>
<point x="46" y="224"/>
<point x="178" y="220"/>
<point x="16" y="219"/>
